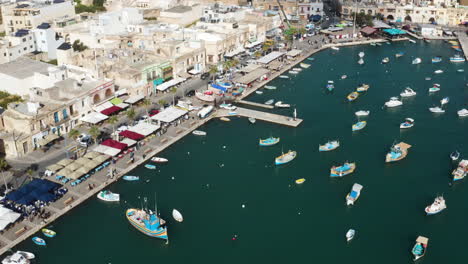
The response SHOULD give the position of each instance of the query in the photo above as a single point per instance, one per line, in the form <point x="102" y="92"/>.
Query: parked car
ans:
<point x="153" y="112"/>
<point x="84" y="140"/>
<point x="190" y="93"/>
<point x="205" y="75"/>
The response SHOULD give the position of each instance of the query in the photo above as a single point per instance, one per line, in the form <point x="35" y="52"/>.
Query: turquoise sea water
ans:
<point x="283" y="222"/>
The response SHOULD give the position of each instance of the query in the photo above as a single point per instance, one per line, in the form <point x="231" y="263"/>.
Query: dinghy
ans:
<point x="362" y="113"/>
<point x="199" y="133"/>
<point x="225" y="119"/>
<point x="269" y="141"/>
<point x="300" y="181"/>
<point x="359" y="125"/>
<point x="269" y="102"/>
<point x="270" y="87"/>
<point x="455" y="155"/>
<point x="48" y="232"/>
<point x="150" y="166"/>
<point x="304" y="65"/>
<point x="258" y="92"/>
<point x="159" y="160"/>
<point x="252" y="120"/>
<point x="130" y="178"/>
<point x="108" y="196"/>
<point x="350" y="235"/>
<point x="177" y="215"/>
<point x="409" y="122"/>
<point x="39" y="241"/>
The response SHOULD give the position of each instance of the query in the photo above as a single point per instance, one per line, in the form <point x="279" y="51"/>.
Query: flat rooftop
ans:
<point x="24" y="67"/>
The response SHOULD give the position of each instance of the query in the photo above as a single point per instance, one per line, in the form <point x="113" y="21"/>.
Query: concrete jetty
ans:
<point x="259" y="115"/>
<point x="463" y="39"/>
<point x="254" y="104"/>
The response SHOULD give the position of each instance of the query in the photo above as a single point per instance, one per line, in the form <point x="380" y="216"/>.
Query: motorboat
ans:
<point x="258" y="92"/>
<point x="427" y="78"/>
<point x="393" y="102"/>
<point x="26" y="254"/>
<point x="270" y="87"/>
<point x="335" y="48"/>
<point x="360" y="61"/>
<point x="361" y="54"/>
<point x="330" y="85"/>
<point x="436" y="59"/>
<point x="284" y="77"/>
<point x="372" y="44"/>
<point x="434" y="88"/>
<point x="463" y="112"/>
<point x="225" y="119"/>
<point x="362" y="113"/>
<point x="311" y="58"/>
<point x="378" y="44"/>
<point x="436" y="109"/>
<point x="304" y="65"/>
<point x="457" y="58"/>
<point x="39" y="241"/>
<point x="363" y="88"/>
<point x="444" y="100"/>
<point x="352" y="96"/>
<point x="177" y="215"/>
<point x="345" y="169"/>
<point x="130" y="178"/>
<point x="354" y="194"/>
<point x="280" y="104"/>
<point x="150" y="166"/>
<point x="416" y="61"/>
<point x="427" y="41"/>
<point x="329" y="146"/>
<point x="48" y="232"/>
<point x="108" y="196"/>
<point x="300" y="181"/>
<point x="199" y="133"/>
<point x="268" y="142"/>
<point x="420" y="248"/>
<point x="359" y="125"/>
<point x="436" y="207"/>
<point x="438" y="71"/>
<point x="297" y="69"/>
<point x="350" y="235"/>
<point x="455" y="155"/>
<point x="16" y="258"/>
<point x="159" y="160"/>
<point x="285" y="157"/>
<point x="461" y="170"/>
<point x="409" y="122"/>
<point x="412" y="41"/>
<point x="147" y="222"/>
<point x="460" y="70"/>
<point x="408" y="92"/>
<point x="293" y="72"/>
<point x="397" y="152"/>
<point x="252" y="120"/>
<point x="385" y="60"/>
<point x="399" y="54"/>
<point x="228" y="106"/>
<point x="270" y="102"/>
<point x="344" y="77"/>
<point x="205" y="97"/>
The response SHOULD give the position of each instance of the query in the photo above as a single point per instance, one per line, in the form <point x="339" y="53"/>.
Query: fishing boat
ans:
<point x="416" y="61"/>
<point x="335" y="48"/>
<point x="311" y="59"/>
<point x="269" y="102"/>
<point x="457" y="58"/>
<point x="378" y="44"/>
<point x="130" y="178"/>
<point x="397" y="152"/>
<point x="463" y="112"/>
<point x="461" y="170"/>
<point x="150" y="166"/>
<point x="330" y="85"/>
<point x="147" y="222"/>
<point x="177" y="215"/>
<point x="293" y="72"/>
<point x="354" y="194"/>
<point x="304" y="65"/>
<point x="393" y="102"/>
<point x="362" y="113"/>
<point x="270" y="87"/>
<point x="225" y="119"/>
<point x="159" y="160"/>
<point x="385" y="60"/>
<point x="399" y="54"/>
<point x="205" y="97"/>
<point x="408" y="92"/>
<point x="286" y="157"/>
<point x="329" y="146"/>
<point x="434" y="88"/>
<point x="269" y="141"/>
<point x="352" y="96"/>
<point x="427" y="78"/>
<point x="16" y="258"/>
<point x="359" y="125"/>
<point x="455" y="155"/>
<point x="412" y="41"/>
<point x="436" y="207"/>
<point x="438" y="71"/>
<point x="350" y="235"/>
<point x="199" y="133"/>
<point x="345" y="169"/>
<point x="297" y="69"/>
<point x="372" y="44"/>
<point x="280" y="104"/>
<point x="460" y="70"/>
<point x="284" y="77"/>
<point x="108" y="196"/>
<point x="361" y="54"/>
<point x="409" y="122"/>
<point x="48" y="232"/>
<point x="258" y="92"/>
<point x="300" y="181"/>
<point x="436" y="109"/>
<point x="26" y="254"/>
<point x="363" y="88"/>
<point x="360" y="61"/>
<point x="252" y="120"/>
<point x="420" y="248"/>
<point x="427" y="41"/>
<point x="344" y="77"/>
<point x="39" y="241"/>
<point x="445" y="100"/>
<point x="436" y="59"/>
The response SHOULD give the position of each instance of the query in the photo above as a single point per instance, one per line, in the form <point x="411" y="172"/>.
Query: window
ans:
<point x="82" y="103"/>
<point x="31" y="46"/>
<point x="24" y="39"/>
<point x="25" y="48"/>
<point x="64" y="113"/>
<point x="4" y="54"/>
<point x="56" y="117"/>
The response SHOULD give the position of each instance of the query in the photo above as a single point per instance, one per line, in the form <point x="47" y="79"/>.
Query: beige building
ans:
<point x="181" y="15"/>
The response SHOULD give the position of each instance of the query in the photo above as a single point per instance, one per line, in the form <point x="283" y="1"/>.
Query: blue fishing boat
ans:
<point x="131" y="178"/>
<point x="330" y="86"/>
<point x="420" y="248"/>
<point x="342" y="170"/>
<point x="399" y="54"/>
<point x="397" y="152"/>
<point x="39" y="241"/>
<point x="457" y="58"/>
<point x="359" y="125"/>
<point x="269" y="141"/>
<point x="436" y="59"/>
<point x="286" y="157"/>
<point x="330" y="145"/>
<point x="147" y="222"/>
<point x="150" y="166"/>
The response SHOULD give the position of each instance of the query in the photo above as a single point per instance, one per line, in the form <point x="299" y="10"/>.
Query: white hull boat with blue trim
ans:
<point x="437" y="206"/>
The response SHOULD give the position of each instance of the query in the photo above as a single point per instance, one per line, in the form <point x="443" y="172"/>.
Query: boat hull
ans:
<point x="162" y="234"/>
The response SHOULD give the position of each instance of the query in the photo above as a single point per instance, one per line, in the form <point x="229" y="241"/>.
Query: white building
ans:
<point x="181" y="15"/>
<point x="117" y="22"/>
<point x="309" y="8"/>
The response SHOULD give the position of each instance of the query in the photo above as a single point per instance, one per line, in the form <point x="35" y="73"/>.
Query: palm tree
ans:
<point x="74" y="133"/>
<point x="258" y="54"/>
<point x="113" y="120"/>
<point x="94" y="132"/>
<point x="227" y="65"/>
<point x="213" y="70"/>
<point x="146" y="103"/>
<point x="30" y="173"/>
<point x="131" y="114"/>
<point x="3" y="166"/>
<point x="173" y="90"/>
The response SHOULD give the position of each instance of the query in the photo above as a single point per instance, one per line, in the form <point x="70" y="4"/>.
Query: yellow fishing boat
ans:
<point x="353" y="96"/>
<point x="300" y="181"/>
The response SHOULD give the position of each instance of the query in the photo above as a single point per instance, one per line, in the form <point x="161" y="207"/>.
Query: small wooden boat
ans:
<point x="297" y="69"/>
<point x="300" y="181"/>
<point x="412" y="41"/>
<point x="225" y="119"/>
<point x="399" y="54"/>
<point x="159" y="160"/>
<point x="438" y="71"/>
<point x="359" y="125"/>
<point x="397" y="152"/>
<point x="39" y="241"/>
<point x="252" y="120"/>
<point x="130" y="178"/>
<point x="177" y="215"/>
<point x="150" y="166"/>
<point x="362" y="113"/>
<point x="270" y="87"/>
<point x="284" y="77"/>
<point x="363" y="88"/>
<point x="344" y="77"/>
<point x="270" y="102"/>
<point x="269" y="141"/>
<point x="311" y="59"/>
<point x="258" y="92"/>
<point x="285" y="157"/>
<point x="352" y="96"/>
<point x="409" y="122"/>
<point x="345" y="169"/>
<point x="108" y="196"/>
<point x="335" y="48"/>
<point x="293" y="72"/>
<point x="48" y="232"/>
<point x="199" y="133"/>
<point x="304" y="65"/>
<point x="329" y="146"/>
<point x="232" y="113"/>
<point x="420" y="248"/>
<point x="350" y="235"/>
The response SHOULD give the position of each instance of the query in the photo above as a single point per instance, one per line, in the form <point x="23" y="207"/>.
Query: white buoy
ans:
<point x="243" y="206"/>
<point x="173" y="177"/>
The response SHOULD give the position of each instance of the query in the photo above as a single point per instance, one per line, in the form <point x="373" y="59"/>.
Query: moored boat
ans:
<point x="436" y="207"/>
<point x="461" y="170"/>
<point x="437" y="109"/>
<point x="408" y="92"/>
<point x="399" y="54"/>
<point x="385" y="60"/>
<point x="225" y="119"/>
<point x="252" y="120"/>
<point x="26" y="254"/>
<point x="444" y="100"/>
<point x="359" y="125"/>
<point x="297" y="69"/>
<point x="397" y="152"/>
<point x="304" y="65"/>
<point x="269" y="141"/>
<point x="457" y="58"/>
<point x="350" y="235"/>
<point x="270" y="87"/>
<point x="108" y="196"/>
<point x="39" y="241"/>
<point x="362" y="113"/>
<point x="48" y="232"/>
<point x="335" y="48"/>
<point x="258" y="92"/>
<point x="434" y="88"/>
<point x="199" y="133"/>
<point x="284" y="77"/>
<point x="293" y="72"/>
<point x="360" y="61"/>
<point x="130" y="178"/>
<point x="150" y="166"/>
<point x="147" y="222"/>
<point x="438" y="71"/>
<point x="361" y="54"/>
<point x="363" y="88"/>
<point x="409" y="122"/>
<point x="420" y="248"/>
<point x="412" y="41"/>
<point x="285" y="157"/>
<point x="463" y="112"/>
<point x="330" y="85"/>
<point x="329" y="146"/>
<point x="393" y="102"/>
<point x="354" y="194"/>
<point x="352" y="96"/>
<point x="416" y="61"/>
<point x="270" y="102"/>
<point x="344" y="76"/>
<point x="436" y="59"/>
<point x="300" y="181"/>
<point x="345" y="169"/>
<point x="177" y="215"/>
<point x="455" y="155"/>
<point x="280" y="104"/>
<point x="16" y="258"/>
<point x="159" y="160"/>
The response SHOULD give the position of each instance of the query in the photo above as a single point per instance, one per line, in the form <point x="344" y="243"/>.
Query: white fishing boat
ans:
<point x="361" y="54"/>
<point x="258" y="92"/>
<point x="460" y="70"/>
<point x="350" y="235"/>
<point x="108" y="196"/>
<point x="408" y="92"/>
<point x="360" y="61"/>
<point x="385" y="60"/>
<point x="329" y="146"/>
<point x="159" y="160"/>
<point x="269" y="102"/>
<point x="293" y="72"/>
<point x="177" y="215"/>
<point x="409" y="122"/>
<point x="445" y="100"/>
<point x="304" y="65"/>
<point x="362" y="113"/>
<point x="417" y="61"/>
<point x="280" y="104"/>
<point x="335" y="48"/>
<point x="438" y="71"/>
<point x="199" y="133"/>
<point x="270" y="87"/>
<point x="16" y="258"/>
<point x="284" y="77"/>
<point x="354" y="194"/>
<point x="457" y="58"/>
<point x="463" y="112"/>
<point x="286" y="157"/>
<point x="436" y="109"/>
<point x="252" y="120"/>
<point x="344" y="77"/>
<point x="437" y="206"/>
<point x="393" y="102"/>
<point x="363" y="88"/>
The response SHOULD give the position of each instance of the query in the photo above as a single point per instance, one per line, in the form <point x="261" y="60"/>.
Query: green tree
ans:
<point x="94" y="132"/>
<point x="227" y="64"/>
<point x="78" y="46"/>
<point x="363" y="19"/>
<point x="3" y="166"/>
<point x="146" y="104"/>
<point x="213" y="70"/>
<point x="73" y="133"/>
<point x="289" y="34"/>
<point x="379" y="16"/>
<point x="30" y="173"/>
<point x="113" y="120"/>
<point x="131" y="114"/>
<point x="162" y="102"/>
<point x="258" y="54"/>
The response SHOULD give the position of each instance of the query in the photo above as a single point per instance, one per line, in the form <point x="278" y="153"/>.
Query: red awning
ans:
<point x="114" y="144"/>
<point x="111" y="110"/>
<point x="131" y="135"/>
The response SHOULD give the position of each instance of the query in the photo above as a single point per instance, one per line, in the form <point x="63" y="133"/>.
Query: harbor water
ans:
<point x="239" y="207"/>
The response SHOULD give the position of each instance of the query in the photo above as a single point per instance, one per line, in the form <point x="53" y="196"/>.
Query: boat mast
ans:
<point x="155" y="205"/>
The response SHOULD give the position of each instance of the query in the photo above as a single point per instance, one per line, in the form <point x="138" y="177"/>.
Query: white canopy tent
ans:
<point x="168" y="84"/>
<point x="107" y="150"/>
<point x="123" y="105"/>
<point x="134" y="99"/>
<point x="234" y="52"/>
<point x="129" y="142"/>
<point x="7" y="217"/>
<point x="144" y="129"/>
<point x="94" y="118"/>
<point x="169" y="114"/>
<point x="103" y="106"/>
<point x="270" y="57"/>
<point x="253" y="44"/>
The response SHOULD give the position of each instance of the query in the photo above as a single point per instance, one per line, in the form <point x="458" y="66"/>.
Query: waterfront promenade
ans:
<point x="463" y="39"/>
